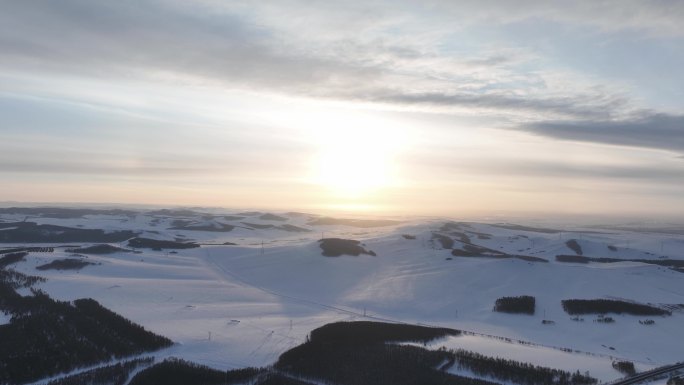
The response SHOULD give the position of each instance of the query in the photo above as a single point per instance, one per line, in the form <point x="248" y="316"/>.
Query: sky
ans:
<point x="410" y="107"/>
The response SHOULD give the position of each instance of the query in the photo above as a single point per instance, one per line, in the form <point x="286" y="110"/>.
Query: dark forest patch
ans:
<point x="63" y="213"/>
<point x="283" y="227"/>
<point x="457" y="229"/>
<point x="450" y="226"/>
<point x="116" y="374"/>
<point x="625" y="367"/>
<point x="573" y="245"/>
<point x="370" y="353"/>
<point x="27" y="249"/>
<point x="363" y="332"/>
<point x="271" y="378"/>
<point x="66" y="264"/>
<point x="180" y="372"/>
<point x="259" y="226"/>
<point x="359" y="353"/>
<point x="232" y="217"/>
<point x="604" y="306"/>
<point x="100" y="249"/>
<point x="477" y="252"/>
<point x="12" y="258"/>
<point x="673" y="264"/>
<point x="46" y="337"/>
<point x="174" y="371"/>
<point x="31" y="232"/>
<point x="462" y="253"/>
<point x="335" y="247"/>
<point x="189" y="226"/>
<point x="147" y="243"/>
<point x="523" y="304"/>
<point x="517" y="372"/>
<point x="445" y="241"/>
<point x="528" y="258"/>
<point x="573" y="259"/>
<point x="293" y="228"/>
<point x="10" y="280"/>
<point x="272" y="217"/>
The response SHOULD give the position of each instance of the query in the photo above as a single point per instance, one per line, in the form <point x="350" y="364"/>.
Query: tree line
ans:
<point x="365" y="353"/>
<point x="46" y="337"/>
<point x="116" y="374"/>
<point x="518" y="372"/>
<point x="523" y="304"/>
<point x="601" y="306"/>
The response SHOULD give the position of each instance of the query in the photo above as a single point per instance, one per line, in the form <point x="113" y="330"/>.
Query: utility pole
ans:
<point x="262" y="247"/>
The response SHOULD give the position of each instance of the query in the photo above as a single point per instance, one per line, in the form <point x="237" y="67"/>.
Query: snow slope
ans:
<point x="236" y="306"/>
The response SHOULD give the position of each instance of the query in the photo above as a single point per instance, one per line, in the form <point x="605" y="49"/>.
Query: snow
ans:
<point x="4" y="318"/>
<point x="283" y="291"/>
<point x="598" y="366"/>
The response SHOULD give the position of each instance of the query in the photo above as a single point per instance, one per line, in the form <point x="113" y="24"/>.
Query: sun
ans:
<point x="353" y="153"/>
<point x="351" y="171"/>
<point x="355" y="160"/>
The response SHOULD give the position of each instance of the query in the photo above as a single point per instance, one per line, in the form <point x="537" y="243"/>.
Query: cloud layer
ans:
<point x="194" y="44"/>
<point x="658" y="131"/>
<point x="176" y="76"/>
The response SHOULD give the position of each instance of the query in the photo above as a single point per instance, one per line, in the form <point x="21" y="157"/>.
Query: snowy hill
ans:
<point x="250" y="293"/>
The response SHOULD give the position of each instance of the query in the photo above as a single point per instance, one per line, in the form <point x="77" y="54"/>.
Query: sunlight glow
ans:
<point x="355" y="156"/>
<point x="351" y="172"/>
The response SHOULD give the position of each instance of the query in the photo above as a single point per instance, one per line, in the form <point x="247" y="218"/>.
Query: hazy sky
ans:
<point x="400" y="106"/>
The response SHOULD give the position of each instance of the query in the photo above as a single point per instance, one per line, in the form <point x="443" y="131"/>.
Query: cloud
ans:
<point x="653" y="130"/>
<point x="657" y="17"/>
<point x="292" y="49"/>
<point x="572" y="171"/>
<point x="589" y="106"/>
<point x="100" y="170"/>
<point x="214" y="45"/>
<point x="144" y="38"/>
<point x="564" y="168"/>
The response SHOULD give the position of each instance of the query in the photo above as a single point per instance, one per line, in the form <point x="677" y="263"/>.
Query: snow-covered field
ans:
<point x="231" y="306"/>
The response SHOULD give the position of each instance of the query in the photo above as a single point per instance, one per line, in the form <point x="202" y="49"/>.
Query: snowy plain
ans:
<point x="230" y="306"/>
